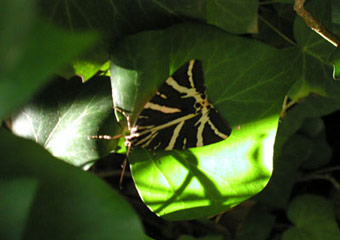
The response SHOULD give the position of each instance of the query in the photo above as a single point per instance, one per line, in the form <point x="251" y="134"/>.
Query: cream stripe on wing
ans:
<point x="174" y="136"/>
<point x="189" y="72"/>
<point x="202" y="121"/>
<point x="190" y="92"/>
<point x="165" y="125"/>
<point x="163" y="109"/>
<point x="216" y="131"/>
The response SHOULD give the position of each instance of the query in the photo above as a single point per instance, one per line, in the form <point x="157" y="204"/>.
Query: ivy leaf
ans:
<point x="233" y="16"/>
<point x="335" y="11"/>
<point x="245" y="80"/>
<point x="29" y="62"/>
<point x="294" y="153"/>
<point x="17" y="197"/>
<point x="313" y="71"/>
<point x="114" y="19"/>
<point x="335" y="60"/>
<point x="61" y="201"/>
<point x="65" y="115"/>
<point x="286" y="1"/>
<point x="88" y="65"/>
<point x="257" y="225"/>
<point x="313" y="217"/>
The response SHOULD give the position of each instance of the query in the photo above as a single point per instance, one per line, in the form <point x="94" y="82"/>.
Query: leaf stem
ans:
<point x="314" y="24"/>
<point x="277" y="31"/>
<point x="327" y="170"/>
<point x="285" y="106"/>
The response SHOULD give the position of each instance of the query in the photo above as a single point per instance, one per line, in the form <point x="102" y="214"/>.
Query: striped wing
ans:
<point x="179" y="116"/>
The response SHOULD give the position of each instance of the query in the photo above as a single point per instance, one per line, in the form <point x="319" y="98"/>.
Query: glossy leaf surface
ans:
<point x="246" y="87"/>
<point x="65" y="116"/>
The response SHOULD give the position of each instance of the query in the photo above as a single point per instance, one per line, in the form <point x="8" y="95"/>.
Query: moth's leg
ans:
<point x="106" y="137"/>
<point x="128" y="144"/>
<point x="127" y="116"/>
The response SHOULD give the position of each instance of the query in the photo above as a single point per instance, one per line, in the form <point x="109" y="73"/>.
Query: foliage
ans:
<point x="256" y="55"/>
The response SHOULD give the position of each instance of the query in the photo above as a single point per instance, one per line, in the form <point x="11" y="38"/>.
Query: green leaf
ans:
<point x="296" y="151"/>
<point x="233" y="16"/>
<point x="285" y="1"/>
<point x="297" y="234"/>
<point x="309" y="208"/>
<point x="114" y="18"/>
<point x="64" y="202"/>
<point x="335" y="11"/>
<point x="257" y="225"/>
<point x="65" y="115"/>
<point x="321" y="152"/>
<point x="88" y="65"/>
<point x="313" y="106"/>
<point x="313" y="71"/>
<point x="210" y="237"/>
<point x="334" y="58"/>
<point x="29" y="62"/>
<point x="17" y="196"/>
<point x="245" y="80"/>
<point x="312" y="127"/>
<point x="275" y="25"/>
<point x="314" y="217"/>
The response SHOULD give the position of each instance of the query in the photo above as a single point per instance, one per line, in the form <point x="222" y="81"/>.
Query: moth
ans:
<point x="179" y="115"/>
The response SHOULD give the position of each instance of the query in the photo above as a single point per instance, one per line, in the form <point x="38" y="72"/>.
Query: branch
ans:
<point x="313" y="23"/>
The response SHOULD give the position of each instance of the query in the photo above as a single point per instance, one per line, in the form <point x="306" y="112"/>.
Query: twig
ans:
<point x="314" y="24"/>
<point x="328" y="170"/>
<point x="326" y="177"/>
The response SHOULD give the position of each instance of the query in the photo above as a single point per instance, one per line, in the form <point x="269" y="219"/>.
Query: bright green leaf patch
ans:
<point x="65" y="115"/>
<point x="206" y="180"/>
<point x="64" y="202"/>
<point x="88" y="65"/>
<point x="245" y="85"/>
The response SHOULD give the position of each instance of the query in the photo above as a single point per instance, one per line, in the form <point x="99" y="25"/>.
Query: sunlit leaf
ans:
<point x="246" y="86"/>
<point x="65" y="115"/>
